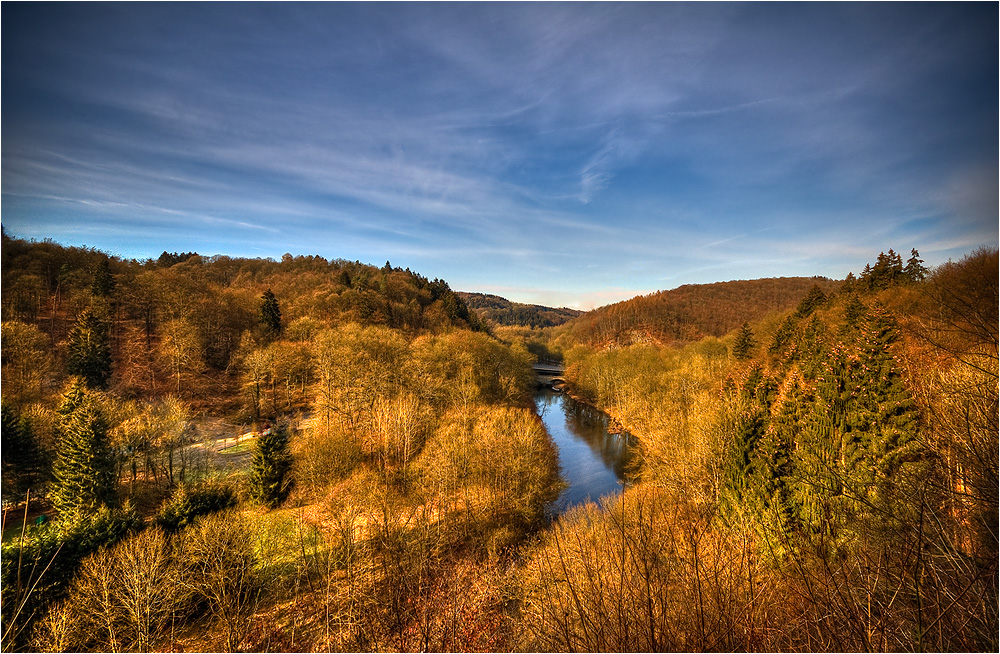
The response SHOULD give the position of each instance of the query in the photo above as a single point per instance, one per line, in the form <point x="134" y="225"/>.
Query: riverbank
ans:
<point x="614" y="425"/>
<point x="593" y="460"/>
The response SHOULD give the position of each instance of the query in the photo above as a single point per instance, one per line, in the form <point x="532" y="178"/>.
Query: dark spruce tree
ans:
<point x="741" y="469"/>
<point x="72" y="398"/>
<point x="743" y="347"/>
<point x="104" y="281"/>
<point x="853" y="311"/>
<point x="270" y="312"/>
<point x="890" y="408"/>
<point x="774" y="452"/>
<point x="850" y="284"/>
<point x="813" y="300"/>
<point x="861" y="431"/>
<point x="784" y="341"/>
<point x="270" y="467"/>
<point x="915" y="270"/>
<point x="89" y="353"/>
<point x="887" y="271"/>
<point x="24" y="461"/>
<point x="84" y="470"/>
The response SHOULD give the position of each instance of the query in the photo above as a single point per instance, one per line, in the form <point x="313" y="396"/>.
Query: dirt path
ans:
<point x="223" y="446"/>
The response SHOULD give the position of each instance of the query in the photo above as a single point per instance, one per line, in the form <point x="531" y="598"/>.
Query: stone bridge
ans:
<point x="550" y="375"/>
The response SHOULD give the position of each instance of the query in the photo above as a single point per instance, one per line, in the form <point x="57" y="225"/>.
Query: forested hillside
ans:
<point x="195" y="445"/>
<point x="496" y="310"/>
<point x="219" y="454"/>
<point x="185" y="323"/>
<point x="691" y="312"/>
<point x="820" y="479"/>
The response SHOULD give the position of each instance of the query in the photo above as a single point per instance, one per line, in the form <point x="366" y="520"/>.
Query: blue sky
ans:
<point x="564" y="154"/>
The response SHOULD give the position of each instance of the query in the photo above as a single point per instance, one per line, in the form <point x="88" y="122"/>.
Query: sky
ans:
<point x="561" y="154"/>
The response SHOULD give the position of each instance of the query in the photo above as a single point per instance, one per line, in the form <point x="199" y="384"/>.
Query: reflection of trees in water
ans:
<point x="591" y="425"/>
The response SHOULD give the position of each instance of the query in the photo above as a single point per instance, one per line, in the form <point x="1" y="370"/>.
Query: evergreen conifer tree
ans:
<point x="745" y="471"/>
<point x="270" y="312"/>
<point x="852" y="313"/>
<point x="72" y="398"/>
<point x="915" y="270"/>
<point x="90" y="350"/>
<point x="866" y="277"/>
<point x="887" y="271"/>
<point x="744" y="344"/>
<point x="24" y="461"/>
<point x="104" y="282"/>
<point x="783" y="344"/>
<point x="738" y="476"/>
<point x="772" y="459"/>
<point x="850" y="284"/>
<point x="884" y="400"/>
<point x="812" y="301"/>
<point x="861" y="430"/>
<point x="270" y="467"/>
<point x="84" y="470"/>
<point x="811" y="348"/>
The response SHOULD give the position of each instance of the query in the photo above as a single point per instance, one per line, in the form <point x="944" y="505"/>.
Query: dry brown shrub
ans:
<point x="645" y="572"/>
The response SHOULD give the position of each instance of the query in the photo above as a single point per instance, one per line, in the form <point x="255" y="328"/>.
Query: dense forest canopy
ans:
<point x="823" y="477"/>
<point x="178" y="322"/>
<point x="689" y="313"/>
<point x="501" y="311"/>
<point x="216" y="453"/>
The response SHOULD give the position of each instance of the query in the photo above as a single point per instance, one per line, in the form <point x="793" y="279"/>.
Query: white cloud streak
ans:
<point x="490" y="135"/>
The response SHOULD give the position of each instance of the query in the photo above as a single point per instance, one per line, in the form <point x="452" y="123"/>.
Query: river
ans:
<point x="592" y="461"/>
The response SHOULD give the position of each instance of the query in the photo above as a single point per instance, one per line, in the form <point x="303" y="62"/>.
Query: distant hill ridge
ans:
<point x="694" y="311"/>
<point x="505" y="312"/>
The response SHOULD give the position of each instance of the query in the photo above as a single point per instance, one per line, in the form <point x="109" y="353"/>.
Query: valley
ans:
<point x="500" y="327"/>
<point x="317" y="455"/>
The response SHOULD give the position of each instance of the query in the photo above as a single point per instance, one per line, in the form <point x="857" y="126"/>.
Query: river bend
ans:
<point x="592" y="461"/>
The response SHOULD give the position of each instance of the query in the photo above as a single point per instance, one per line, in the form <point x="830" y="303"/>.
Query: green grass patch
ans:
<point x="239" y="448"/>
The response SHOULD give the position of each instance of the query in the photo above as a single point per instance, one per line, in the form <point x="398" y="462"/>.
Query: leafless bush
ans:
<point x="224" y="571"/>
<point x="645" y="573"/>
<point x="124" y="598"/>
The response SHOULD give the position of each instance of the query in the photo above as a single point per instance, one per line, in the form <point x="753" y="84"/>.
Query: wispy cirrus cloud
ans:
<point x="513" y="141"/>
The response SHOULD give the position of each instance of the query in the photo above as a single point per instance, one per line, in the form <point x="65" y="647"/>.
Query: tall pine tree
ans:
<point x="743" y="347"/>
<point x="861" y="431"/>
<point x="813" y="300"/>
<point x="89" y="353"/>
<point x="853" y="311"/>
<point x="72" y="398"/>
<point x="270" y="467"/>
<point x="771" y="461"/>
<point x="104" y="282"/>
<point x="884" y="401"/>
<point x="741" y="468"/>
<point x="84" y="470"/>
<point x="24" y="461"/>
<point x="270" y="312"/>
<point x="915" y="271"/>
<point x="783" y="345"/>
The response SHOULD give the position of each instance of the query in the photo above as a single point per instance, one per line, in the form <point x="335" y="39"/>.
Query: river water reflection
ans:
<point x="593" y="462"/>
